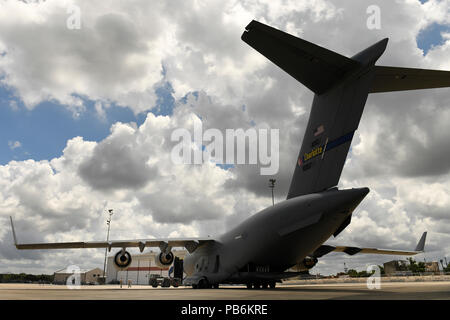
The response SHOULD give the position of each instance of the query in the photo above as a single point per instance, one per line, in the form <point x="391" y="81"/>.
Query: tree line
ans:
<point x="26" y="278"/>
<point x="413" y="266"/>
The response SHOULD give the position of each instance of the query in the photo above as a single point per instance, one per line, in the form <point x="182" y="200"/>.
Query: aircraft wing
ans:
<point x="354" y="250"/>
<point x="325" y="249"/>
<point x="389" y="79"/>
<point x="189" y="243"/>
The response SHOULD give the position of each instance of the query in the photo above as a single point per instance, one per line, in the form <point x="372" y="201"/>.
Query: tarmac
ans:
<point x="435" y="290"/>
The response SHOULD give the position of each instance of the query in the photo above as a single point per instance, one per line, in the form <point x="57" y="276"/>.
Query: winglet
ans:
<point x="421" y="245"/>
<point x="13" y="231"/>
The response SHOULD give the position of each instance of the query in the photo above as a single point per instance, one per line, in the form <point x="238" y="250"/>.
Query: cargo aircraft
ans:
<point x="260" y="250"/>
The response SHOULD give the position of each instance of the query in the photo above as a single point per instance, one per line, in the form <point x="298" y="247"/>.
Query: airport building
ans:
<point x="86" y="276"/>
<point x="141" y="268"/>
<point x="432" y="267"/>
<point x="396" y="267"/>
<point x="400" y="267"/>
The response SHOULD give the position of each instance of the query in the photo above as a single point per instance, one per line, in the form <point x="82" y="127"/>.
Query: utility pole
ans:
<point x="272" y="186"/>
<point x="108" y="222"/>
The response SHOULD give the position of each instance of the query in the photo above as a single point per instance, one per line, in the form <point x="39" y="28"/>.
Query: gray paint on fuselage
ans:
<point x="265" y="239"/>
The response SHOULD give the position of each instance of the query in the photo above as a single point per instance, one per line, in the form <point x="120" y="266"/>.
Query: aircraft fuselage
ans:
<point x="292" y="229"/>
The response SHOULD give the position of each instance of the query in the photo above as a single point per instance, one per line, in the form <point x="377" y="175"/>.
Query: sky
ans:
<point x="86" y="117"/>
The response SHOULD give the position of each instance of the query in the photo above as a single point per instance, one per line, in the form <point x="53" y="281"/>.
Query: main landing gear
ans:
<point x="261" y="285"/>
<point x="204" y="284"/>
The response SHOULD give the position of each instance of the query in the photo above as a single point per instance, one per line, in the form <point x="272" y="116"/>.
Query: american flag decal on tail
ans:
<point x="319" y="130"/>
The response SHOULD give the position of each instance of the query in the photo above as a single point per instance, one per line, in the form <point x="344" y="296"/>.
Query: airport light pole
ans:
<point x="108" y="222"/>
<point x="271" y="186"/>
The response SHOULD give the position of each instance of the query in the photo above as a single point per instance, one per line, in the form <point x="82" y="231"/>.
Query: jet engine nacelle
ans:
<point x="122" y="259"/>
<point x="307" y="263"/>
<point x="164" y="259"/>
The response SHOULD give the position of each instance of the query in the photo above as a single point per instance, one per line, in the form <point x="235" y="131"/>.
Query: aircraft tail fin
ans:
<point x="388" y="79"/>
<point x="341" y="86"/>
<point x="315" y="67"/>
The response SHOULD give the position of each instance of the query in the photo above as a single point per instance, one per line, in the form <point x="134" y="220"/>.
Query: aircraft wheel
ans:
<point x="203" y="284"/>
<point x="166" y="283"/>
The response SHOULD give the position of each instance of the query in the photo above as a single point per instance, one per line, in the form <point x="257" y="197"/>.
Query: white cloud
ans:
<point x="65" y="199"/>
<point x="401" y="149"/>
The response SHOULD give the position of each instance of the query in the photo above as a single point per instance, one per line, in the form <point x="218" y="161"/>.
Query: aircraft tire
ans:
<point x="204" y="284"/>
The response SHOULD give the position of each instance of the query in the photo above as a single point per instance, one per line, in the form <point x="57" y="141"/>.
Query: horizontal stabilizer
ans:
<point x="315" y="67"/>
<point x="389" y="79"/>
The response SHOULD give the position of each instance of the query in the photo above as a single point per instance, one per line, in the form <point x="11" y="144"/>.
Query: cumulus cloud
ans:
<point x="112" y="57"/>
<point x="124" y="51"/>
<point x="117" y="163"/>
<point x="64" y="199"/>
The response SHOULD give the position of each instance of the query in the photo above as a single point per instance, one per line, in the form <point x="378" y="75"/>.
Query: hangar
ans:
<point x="91" y="276"/>
<point x="140" y="269"/>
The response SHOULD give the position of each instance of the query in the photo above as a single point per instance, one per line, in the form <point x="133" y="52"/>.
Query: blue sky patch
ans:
<point x="165" y="102"/>
<point x="431" y="36"/>
<point x="43" y="132"/>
